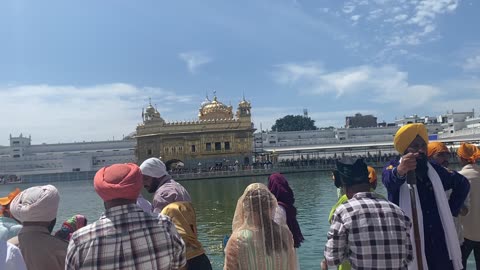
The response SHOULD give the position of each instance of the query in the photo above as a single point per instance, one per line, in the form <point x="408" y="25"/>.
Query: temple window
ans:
<point x="193" y="148"/>
<point x="218" y="146"/>
<point x="227" y="145"/>
<point x="208" y="146"/>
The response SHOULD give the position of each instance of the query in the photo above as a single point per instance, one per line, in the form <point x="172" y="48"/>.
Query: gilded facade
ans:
<point x="218" y="136"/>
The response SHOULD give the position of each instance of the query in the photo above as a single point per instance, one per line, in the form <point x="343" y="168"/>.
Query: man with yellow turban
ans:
<point x="438" y="238"/>
<point x="468" y="154"/>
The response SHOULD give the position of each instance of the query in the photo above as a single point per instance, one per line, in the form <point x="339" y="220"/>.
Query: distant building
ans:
<point x="324" y="137"/>
<point x="455" y="121"/>
<point x="381" y="132"/>
<point x="385" y="124"/>
<point x="409" y="120"/>
<point x="23" y="158"/>
<point x="360" y="121"/>
<point x="461" y="125"/>
<point x="433" y="125"/>
<point x="216" y="137"/>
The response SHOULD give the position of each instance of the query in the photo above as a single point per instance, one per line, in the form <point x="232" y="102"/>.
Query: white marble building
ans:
<point x="24" y="158"/>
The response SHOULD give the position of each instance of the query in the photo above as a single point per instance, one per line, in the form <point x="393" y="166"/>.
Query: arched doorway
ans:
<point x="174" y="165"/>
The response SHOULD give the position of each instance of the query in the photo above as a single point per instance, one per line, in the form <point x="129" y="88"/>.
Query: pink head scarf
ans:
<point x="118" y="181"/>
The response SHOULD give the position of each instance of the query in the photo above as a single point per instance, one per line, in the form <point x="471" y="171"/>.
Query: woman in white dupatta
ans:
<point x="257" y="242"/>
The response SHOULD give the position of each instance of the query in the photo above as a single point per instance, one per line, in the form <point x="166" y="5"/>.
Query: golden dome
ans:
<point x="215" y="110"/>
<point x="244" y="103"/>
<point x="150" y="109"/>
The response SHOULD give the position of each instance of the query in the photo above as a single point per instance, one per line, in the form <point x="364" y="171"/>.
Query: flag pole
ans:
<point x="412" y="182"/>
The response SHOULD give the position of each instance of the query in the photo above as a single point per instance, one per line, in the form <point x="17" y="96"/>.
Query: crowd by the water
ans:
<point x="430" y="219"/>
<point x="299" y="162"/>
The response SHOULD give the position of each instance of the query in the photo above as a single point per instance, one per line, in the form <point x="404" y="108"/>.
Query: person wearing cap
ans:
<point x="157" y="180"/>
<point x="438" y="236"/>
<point x="9" y="227"/>
<point x="468" y="154"/>
<point x="36" y="208"/>
<point x="125" y="237"/>
<point x="372" y="179"/>
<point x="10" y="257"/>
<point x="367" y="231"/>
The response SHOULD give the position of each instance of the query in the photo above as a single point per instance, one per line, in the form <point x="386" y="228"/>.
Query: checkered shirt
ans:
<point x="371" y="233"/>
<point x="127" y="238"/>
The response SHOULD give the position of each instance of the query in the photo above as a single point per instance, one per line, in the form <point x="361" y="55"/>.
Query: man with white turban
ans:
<point x="36" y="208"/>
<point x="438" y="237"/>
<point x="125" y="237"/>
<point x="157" y="180"/>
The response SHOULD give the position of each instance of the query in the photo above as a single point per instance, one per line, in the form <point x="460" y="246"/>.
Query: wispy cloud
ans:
<point x="385" y="83"/>
<point x="194" y="59"/>
<point x="427" y="10"/>
<point x="400" y="22"/>
<point x="69" y="113"/>
<point x="472" y="63"/>
<point x="348" y="8"/>
<point x="355" y="19"/>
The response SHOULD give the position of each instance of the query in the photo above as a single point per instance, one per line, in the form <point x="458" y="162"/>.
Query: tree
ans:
<point x="294" y="123"/>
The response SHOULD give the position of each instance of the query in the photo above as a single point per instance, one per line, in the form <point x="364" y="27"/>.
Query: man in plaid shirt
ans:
<point x="125" y="237"/>
<point x="368" y="231"/>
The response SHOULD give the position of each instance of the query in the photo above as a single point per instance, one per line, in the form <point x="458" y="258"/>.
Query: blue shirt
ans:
<point x="435" y="246"/>
<point x="8" y="228"/>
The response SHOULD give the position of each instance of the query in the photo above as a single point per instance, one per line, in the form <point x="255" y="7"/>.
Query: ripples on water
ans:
<point x="215" y="201"/>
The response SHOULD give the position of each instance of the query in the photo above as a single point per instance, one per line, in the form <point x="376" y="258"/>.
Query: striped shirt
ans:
<point x="127" y="238"/>
<point x="371" y="233"/>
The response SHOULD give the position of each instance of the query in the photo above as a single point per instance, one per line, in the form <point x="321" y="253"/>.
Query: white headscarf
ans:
<point x="153" y="167"/>
<point x="38" y="203"/>
<point x="257" y="241"/>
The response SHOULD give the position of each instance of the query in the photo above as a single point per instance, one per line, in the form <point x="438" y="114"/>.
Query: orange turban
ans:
<point x="468" y="152"/>
<point x="118" y="181"/>
<point x="436" y="147"/>
<point x="372" y="175"/>
<point x="406" y="134"/>
<point x="6" y="200"/>
<point x="10" y="197"/>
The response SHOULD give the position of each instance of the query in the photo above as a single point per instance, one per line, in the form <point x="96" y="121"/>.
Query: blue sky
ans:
<point x="74" y="71"/>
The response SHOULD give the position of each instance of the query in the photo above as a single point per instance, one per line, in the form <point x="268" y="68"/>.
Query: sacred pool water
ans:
<point x="215" y="201"/>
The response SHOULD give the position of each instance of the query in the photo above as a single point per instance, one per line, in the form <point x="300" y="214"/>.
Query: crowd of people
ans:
<point x="430" y="219"/>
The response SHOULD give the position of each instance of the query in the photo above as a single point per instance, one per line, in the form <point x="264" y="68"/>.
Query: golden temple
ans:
<point x="218" y="136"/>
